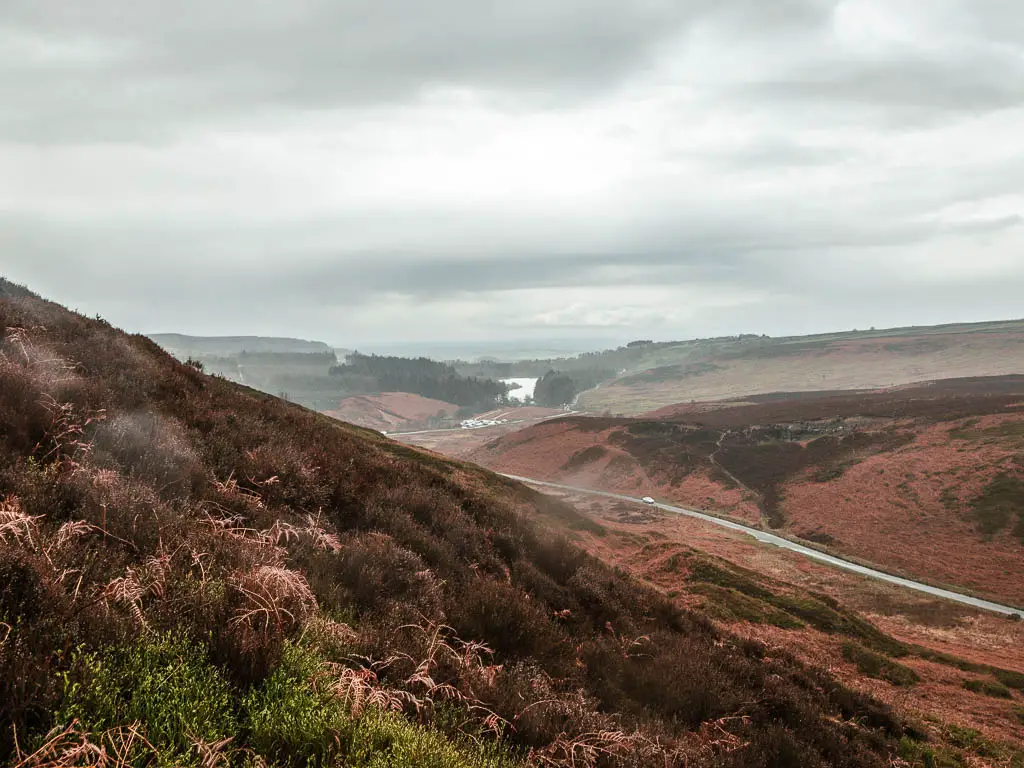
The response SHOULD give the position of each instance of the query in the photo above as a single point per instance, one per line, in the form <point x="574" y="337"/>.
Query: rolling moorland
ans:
<point x="811" y="363"/>
<point x="645" y="375"/>
<point x="199" y="573"/>
<point x="926" y="481"/>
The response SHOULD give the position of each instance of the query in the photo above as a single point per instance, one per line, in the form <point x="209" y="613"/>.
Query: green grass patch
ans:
<point x="386" y="740"/>
<point x="294" y="720"/>
<point x="819" y="611"/>
<point x="166" y="683"/>
<point x="878" y="666"/>
<point x="1008" y="678"/>
<point x="972" y="741"/>
<point x="832" y="472"/>
<point x="288" y="718"/>
<point x="1010" y="429"/>
<point x="727" y="604"/>
<point x="988" y="688"/>
<point x="998" y="503"/>
<point x="920" y="755"/>
<point x="961" y="748"/>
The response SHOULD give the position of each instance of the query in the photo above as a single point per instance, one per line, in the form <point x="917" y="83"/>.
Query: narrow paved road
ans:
<point x="778" y="541"/>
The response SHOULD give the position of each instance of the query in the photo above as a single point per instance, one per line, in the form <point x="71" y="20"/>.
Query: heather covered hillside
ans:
<point x="926" y="480"/>
<point x="195" y="572"/>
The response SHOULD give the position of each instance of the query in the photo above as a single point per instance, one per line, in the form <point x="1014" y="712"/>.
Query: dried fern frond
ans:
<point x="359" y="689"/>
<point x="281" y="533"/>
<point x="127" y="591"/>
<point x="16" y="525"/>
<point x="232" y="489"/>
<point x="585" y="750"/>
<point x="153" y="574"/>
<point x="215" y="753"/>
<point x="275" y="597"/>
<point x="320" y="538"/>
<point x="70" y="531"/>
<point x="74" y="747"/>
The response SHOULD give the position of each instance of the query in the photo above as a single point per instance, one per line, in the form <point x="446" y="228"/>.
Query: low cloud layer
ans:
<point x="378" y="171"/>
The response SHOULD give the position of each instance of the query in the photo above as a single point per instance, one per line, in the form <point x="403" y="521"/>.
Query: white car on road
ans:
<point x="647" y="500"/>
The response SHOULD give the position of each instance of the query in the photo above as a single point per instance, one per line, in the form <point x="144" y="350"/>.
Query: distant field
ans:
<point x="925" y="480"/>
<point x="721" y="369"/>
<point x="393" y="411"/>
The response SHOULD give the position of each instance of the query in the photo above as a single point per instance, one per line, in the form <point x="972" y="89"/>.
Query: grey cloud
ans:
<point x="768" y="153"/>
<point x="174" y="65"/>
<point x="905" y="86"/>
<point x="744" y="247"/>
<point x="788" y="171"/>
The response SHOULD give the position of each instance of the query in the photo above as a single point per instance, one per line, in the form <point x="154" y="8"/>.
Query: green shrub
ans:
<point x="921" y="755"/>
<point x="294" y="721"/>
<point x="386" y="740"/>
<point x="998" y="503"/>
<point x="972" y="740"/>
<point x="291" y="720"/>
<point x="878" y="666"/>
<point x="727" y="604"/>
<point x="988" y="688"/>
<point x="1009" y="679"/>
<point x="166" y="683"/>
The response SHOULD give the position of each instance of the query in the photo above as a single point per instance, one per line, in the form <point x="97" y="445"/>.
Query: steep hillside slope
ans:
<point x="195" y="572"/>
<point x="926" y="480"/>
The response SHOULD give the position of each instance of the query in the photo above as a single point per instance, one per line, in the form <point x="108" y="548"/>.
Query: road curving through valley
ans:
<point x="792" y="546"/>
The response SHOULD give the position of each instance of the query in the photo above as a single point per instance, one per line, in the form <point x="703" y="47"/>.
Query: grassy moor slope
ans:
<point x="925" y="480"/>
<point x="198" y="573"/>
<point x="718" y="369"/>
<point x="391" y="411"/>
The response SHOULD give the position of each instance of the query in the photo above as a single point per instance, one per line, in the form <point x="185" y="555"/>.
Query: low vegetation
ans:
<point x="988" y="688"/>
<point x="878" y="666"/>
<point x="586" y="456"/>
<point x="999" y="504"/>
<point x="288" y="589"/>
<point x="734" y="594"/>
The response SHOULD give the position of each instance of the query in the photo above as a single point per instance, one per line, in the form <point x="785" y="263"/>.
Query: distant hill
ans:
<point x="182" y="346"/>
<point x="721" y="369"/>
<point x="644" y="375"/>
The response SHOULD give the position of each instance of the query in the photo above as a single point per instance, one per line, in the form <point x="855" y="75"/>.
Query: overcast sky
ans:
<point x="372" y="170"/>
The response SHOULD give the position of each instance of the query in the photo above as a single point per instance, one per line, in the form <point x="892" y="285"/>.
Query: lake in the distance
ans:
<point x="526" y="387"/>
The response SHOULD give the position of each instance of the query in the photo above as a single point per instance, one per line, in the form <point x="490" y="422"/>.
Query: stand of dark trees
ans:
<point x="555" y="388"/>
<point x="370" y="374"/>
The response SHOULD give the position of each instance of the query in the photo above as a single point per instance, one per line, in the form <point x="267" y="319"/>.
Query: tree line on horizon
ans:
<point x="372" y="374"/>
